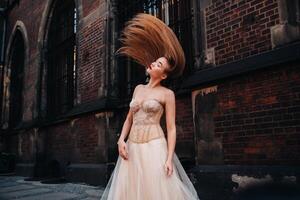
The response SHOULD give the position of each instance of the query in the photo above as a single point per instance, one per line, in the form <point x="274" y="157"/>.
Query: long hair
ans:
<point x="146" y="38"/>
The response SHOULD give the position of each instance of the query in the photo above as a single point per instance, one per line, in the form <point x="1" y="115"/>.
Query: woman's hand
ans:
<point x="123" y="151"/>
<point x="169" y="167"/>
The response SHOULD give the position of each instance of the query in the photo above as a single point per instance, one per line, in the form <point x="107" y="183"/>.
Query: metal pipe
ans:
<point x="3" y="41"/>
<point x="2" y="59"/>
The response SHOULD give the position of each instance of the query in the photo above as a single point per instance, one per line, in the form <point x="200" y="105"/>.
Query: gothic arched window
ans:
<point x="16" y="80"/>
<point x="61" y="58"/>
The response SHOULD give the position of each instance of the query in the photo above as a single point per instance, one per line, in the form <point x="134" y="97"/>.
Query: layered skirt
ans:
<point x="143" y="177"/>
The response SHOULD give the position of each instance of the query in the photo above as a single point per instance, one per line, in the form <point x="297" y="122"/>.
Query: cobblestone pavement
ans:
<point x="14" y="187"/>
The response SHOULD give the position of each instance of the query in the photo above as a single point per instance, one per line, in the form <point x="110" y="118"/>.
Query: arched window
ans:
<point x="61" y="58"/>
<point x="175" y="13"/>
<point x="16" y="80"/>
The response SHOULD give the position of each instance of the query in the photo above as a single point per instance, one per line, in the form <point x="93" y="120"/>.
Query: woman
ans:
<point x="147" y="167"/>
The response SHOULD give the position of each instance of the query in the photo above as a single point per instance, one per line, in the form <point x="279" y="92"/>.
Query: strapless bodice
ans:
<point x="146" y="120"/>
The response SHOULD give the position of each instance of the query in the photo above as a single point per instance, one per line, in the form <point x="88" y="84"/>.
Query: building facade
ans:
<point x="65" y="94"/>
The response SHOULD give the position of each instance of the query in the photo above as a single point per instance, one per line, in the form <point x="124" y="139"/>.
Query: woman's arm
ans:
<point x="126" y="127"/>
<point x="123" y="151"/>
<point x="170" y="122"/>
<point x="122" y="147"/>
<point x="128" y="122"/>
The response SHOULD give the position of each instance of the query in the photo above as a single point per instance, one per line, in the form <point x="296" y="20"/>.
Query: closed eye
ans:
<point x="160" y="63"/>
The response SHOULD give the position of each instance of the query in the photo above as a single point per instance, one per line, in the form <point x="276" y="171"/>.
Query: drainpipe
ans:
<point x="111" y="49"/>
<point x="3" y="15"/>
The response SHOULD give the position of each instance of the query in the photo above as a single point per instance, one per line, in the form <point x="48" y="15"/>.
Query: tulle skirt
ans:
<point x="143" y="177"/>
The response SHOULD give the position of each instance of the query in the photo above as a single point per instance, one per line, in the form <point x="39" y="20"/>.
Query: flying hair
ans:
<point x="146" y="38"/>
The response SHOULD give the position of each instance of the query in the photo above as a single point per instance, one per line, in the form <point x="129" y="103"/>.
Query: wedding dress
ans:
<point x="142" y="176"/>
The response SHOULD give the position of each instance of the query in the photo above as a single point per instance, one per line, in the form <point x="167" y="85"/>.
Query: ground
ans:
<point x="14" y="187"/>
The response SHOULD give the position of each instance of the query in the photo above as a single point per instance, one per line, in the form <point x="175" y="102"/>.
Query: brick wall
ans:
<point x="68" y="143"/>
<point x="238" y="29"/>
<point x="258" y="117"/>
<point x="89" y="6"/>
<point x="30" y="13"/>
<point x="63" y="141"/>
<point x="91" y="52"/>
<point x="91" y="57"/>
<point x="91" y="60"/>
<point x="184" y="119"/>
<point x="30" y="16"/>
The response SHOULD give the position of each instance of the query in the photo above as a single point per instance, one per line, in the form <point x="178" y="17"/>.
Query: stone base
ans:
<point x="93" y="174"/>
<point x="282" y="34"/>
<point x="25" y="169"/>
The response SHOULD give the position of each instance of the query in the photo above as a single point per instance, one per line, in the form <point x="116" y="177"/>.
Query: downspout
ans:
<point x="114" y="49"/>
<point x="3" y="12"/>
<point x="111" y="73"/>
<point x="107" y="53"/>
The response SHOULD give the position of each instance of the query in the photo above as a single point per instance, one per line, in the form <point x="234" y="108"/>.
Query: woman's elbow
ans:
<point x="171" y="129"/>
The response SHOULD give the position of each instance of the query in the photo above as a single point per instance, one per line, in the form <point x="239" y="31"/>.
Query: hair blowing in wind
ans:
<point x="146" y="38"/>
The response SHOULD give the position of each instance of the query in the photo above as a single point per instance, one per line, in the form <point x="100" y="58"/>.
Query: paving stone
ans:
<point x="90" y="198"/>
<point x="94" y="193"/>
<point x="50" y="196"/>
<point x="23" y="193"/>
<point x="15" y="188"/>
<point x="8" y="184"/>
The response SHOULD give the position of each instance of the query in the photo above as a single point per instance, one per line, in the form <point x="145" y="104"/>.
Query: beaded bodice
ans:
<point x="146" y="120"/>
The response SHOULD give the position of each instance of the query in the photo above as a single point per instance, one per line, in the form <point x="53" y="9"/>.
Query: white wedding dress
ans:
<point x="142" y="176"/>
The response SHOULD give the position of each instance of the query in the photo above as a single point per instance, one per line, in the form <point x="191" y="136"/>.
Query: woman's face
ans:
<point x="158" y="67"/>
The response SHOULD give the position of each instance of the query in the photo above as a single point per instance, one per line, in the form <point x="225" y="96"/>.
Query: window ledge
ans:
<point x="81" y="109"/>
<point x="288" y="53"/>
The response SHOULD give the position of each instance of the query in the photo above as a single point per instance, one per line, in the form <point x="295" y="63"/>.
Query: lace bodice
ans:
<point x="146" y="120"/>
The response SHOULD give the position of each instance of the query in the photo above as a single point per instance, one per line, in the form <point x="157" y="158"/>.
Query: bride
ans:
<point x="147" y="167"/>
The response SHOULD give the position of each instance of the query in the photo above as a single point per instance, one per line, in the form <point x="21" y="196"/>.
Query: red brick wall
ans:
<point x="87" y="139"/>
<point x="75" y="144"/>
<point x="30" y="13"/>
<point x="89" y="6"/>
<point x="91" y="60"/>
<point x="30" y="16"/>
<point x="184" y="119"/>
<point x="91" y="46"/>
<point x="62" y="140"/>
<point x="229" y="32"/>
<point x="91" y="51"/>
<point x="258" y="117"/>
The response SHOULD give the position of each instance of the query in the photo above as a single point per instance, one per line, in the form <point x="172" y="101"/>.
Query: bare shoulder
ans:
<point x="169" y="94"/>
<point x="136" y="89"/>
<point x="139" y="86"/>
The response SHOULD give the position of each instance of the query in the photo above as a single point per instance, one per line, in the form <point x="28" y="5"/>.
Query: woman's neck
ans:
<point x="153" y="83"/>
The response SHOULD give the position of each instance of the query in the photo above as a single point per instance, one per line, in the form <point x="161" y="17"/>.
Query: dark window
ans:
<point x="61" y="72"/>
<point x="176" y="14"/>
<point x="293" y="7"/>
<point x="16" y="85"/>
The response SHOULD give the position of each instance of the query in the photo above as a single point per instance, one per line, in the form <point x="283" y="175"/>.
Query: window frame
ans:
<point x="62" y="51"/>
